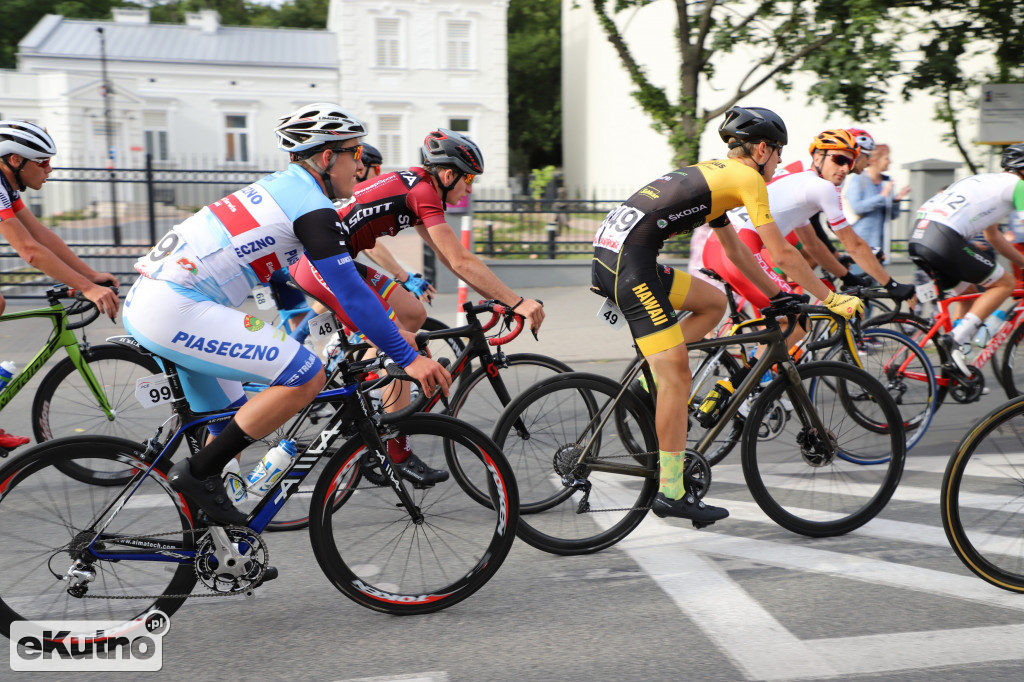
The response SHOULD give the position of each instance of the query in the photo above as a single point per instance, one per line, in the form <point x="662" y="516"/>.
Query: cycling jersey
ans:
<point x="795" y="167"/>
<point x="10" y="200"/>
<point x="387" y="204"/>
<point x="683" y="200"/>
<point x="311" y="281"/>
<point x="794" y="198"/>
<point x="970" y="205"/>
<point x="950" y="259"/>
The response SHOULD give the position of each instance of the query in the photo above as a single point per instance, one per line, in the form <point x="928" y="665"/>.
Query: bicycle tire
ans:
<point x="915" y="327"/>
<point x="477" y="403"/>
<point x="61" y="507"/>
<point x="64" y="406"/>
<point x="556" y="414"/>
<point x="373" y="552"/>
<point x="882" y="354"/>
<point x="1013" y="386"/>
<point x="980" y="497"/>
<point x="816" y="493"/>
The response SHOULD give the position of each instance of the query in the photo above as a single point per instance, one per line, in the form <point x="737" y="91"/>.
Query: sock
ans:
<point x="213" y="457"/>
<point x="672" y="484"/>
<point x="964" y="332"/>
<point x="398" y="449"/>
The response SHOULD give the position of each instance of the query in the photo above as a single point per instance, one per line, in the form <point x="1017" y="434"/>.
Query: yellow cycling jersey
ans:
<point x="681" y="201"/>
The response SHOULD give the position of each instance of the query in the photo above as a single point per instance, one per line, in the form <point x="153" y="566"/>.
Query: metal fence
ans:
<point x="110" y="217"/>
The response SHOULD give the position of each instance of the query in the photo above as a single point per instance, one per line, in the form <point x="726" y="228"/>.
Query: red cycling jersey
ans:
<point x="387" y="204"/>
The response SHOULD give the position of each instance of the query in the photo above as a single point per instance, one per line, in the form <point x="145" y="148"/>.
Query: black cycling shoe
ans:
<point x="956" y="355"/>
<point x="270" y="573"/>
<point x="416" y="471"/>
<point x="689" y="507"/>
<point x="208" y="493"/>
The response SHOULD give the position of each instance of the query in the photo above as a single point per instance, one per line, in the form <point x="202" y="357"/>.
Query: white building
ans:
<point x="602" y="119"/>
<point x="206" y="95"/>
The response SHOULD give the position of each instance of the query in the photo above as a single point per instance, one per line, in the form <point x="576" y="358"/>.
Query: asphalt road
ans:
<point x="742" y="600"/>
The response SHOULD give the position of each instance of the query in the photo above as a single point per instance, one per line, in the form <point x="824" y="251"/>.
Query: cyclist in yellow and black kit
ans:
<point x="625" y="270"/>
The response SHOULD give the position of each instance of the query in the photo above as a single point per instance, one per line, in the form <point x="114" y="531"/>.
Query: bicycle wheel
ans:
<point x="373" y="552"/>
<point x="47" y="519"/>
<point x="981" y="500"/>
<point x="915" y="328"/>
<point x="476" y="401"/>
<point x="1011" y="380"/>
<point x="904" y="370"/>
<point x="571" y="506"/>
<point x="816" y="484"/>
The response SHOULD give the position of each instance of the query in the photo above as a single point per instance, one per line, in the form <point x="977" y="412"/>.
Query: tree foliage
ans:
<point x="534" y="84"/>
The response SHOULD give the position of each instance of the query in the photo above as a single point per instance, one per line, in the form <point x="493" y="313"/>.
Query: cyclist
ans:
<point x="25" y="153"/>
<point x="625" y="270"/>
<point x="794" y="198"/>
<point x="416" y="197"/>
<point x="185" y="306"/>
<point x="940" y="242"/>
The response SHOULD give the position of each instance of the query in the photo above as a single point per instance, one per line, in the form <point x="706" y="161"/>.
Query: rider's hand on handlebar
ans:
<point x="106" y="279"/>
<point x="533" y="311"/>
<point x="900" y="292"/>
<point x="786" y="302"/>
<point x="105" y="298"/>
<point x="430" y="375"/>
<point x="851" y="279"/>
<point x="844" y="305"/>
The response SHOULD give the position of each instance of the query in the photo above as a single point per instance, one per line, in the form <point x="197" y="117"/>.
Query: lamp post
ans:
<point x="109" y="129"/>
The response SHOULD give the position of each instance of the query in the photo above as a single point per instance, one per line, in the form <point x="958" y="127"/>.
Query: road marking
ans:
<point x="412" y="677"/>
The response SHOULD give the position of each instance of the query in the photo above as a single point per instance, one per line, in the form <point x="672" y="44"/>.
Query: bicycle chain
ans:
<point x="189" y="595"/>
<point x="620" y="509"/>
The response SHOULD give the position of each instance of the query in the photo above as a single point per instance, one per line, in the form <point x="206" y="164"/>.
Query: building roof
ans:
<point x="56" y="36"/>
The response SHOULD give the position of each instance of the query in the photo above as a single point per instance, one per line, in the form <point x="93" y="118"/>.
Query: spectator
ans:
<point x="871" y="198"/>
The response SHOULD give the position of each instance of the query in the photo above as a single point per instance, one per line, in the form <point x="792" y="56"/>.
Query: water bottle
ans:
<point x="234" y="484"/>
<point x="7" y="370"/>
<point x="992" y="325"/>
<point x="711" y="409"/>
<point x="271" y="468"/>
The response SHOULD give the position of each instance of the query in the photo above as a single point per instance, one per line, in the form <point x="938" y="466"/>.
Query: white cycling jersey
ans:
<point x="970" y="205"/>
<point x="793" y="199"/>
<point x="790" y="168"/>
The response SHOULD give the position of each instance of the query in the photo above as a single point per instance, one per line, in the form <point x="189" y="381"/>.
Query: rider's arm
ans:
<point x="380" y="255"/>
<point x="45" y="251"/>
<point x="474" y="272"/>
<point x="1003" y="247"/>
<point x="789" y="259"/>
<point x="318" y="233"/>
<point x="824" y="256"/>
<point x="740" y="255"/>
<point x="862" y="254"/>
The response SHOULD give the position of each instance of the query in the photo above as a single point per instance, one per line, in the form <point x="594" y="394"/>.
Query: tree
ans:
<point x="850" y="45"/>
<point x="534" y="84"/>
<point x="993" y="29"/>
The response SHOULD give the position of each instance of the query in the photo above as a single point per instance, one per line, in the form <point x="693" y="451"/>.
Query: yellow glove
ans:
<point x="844" y="305"/>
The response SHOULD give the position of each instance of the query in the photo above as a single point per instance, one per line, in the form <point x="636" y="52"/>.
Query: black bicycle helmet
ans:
<point x="1013" y="157"/>
<point x="371" y="156"/>
<point x="443" y="147"/>
<point x="752" y="124"/>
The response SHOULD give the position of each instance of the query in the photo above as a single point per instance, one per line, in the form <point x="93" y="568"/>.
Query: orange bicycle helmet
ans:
<point x="836" y="138"/>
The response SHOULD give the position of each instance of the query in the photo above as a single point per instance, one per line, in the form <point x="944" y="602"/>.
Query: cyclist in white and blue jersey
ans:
<point x="185" y="306"/>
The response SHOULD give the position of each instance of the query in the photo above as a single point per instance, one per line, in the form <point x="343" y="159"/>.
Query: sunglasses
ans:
<point x="469" y="178"/>
<point x="840" y="160"/>
<point x="357" y="151"/>
<point x="44" y="163"/>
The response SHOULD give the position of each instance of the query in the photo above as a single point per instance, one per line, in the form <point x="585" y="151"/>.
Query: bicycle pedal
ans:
<point x="699" y="524"/>
<point x="4" y="452"/>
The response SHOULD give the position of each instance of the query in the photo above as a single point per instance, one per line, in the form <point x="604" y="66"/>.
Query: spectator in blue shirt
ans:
<point x="870" y="197"/>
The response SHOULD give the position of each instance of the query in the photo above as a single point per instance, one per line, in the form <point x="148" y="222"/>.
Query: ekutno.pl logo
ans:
<point x="90" y="645"/>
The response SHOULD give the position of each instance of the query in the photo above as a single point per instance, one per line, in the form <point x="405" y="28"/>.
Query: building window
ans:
<point x="388" y="42"/>
<point x="389" y="140"/>
<point x="458" y="45"/>
<point x="459" y="125"/>
<point x="236" y="129"/>
<point x="154" y="124"/>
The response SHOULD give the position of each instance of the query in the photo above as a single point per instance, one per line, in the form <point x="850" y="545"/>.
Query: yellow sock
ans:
<point x="672" y="484"/>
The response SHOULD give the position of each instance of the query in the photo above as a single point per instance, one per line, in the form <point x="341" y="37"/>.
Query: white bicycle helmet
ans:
<point x="316" y="124"/>
<point x="864" y="140"/>
<point x="26" y="139"/>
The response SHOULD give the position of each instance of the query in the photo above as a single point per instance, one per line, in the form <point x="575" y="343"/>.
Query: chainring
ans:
<point x="249" y="544"/>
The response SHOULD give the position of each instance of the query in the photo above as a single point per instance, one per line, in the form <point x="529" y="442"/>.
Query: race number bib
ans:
<point x="261" y="294"/>
<point x="153" y="390"/>
<point x="610" y="313"/>
<point x="926" y="292"/>
<point x="616" y="227"/>
<point x="323" y="326"/>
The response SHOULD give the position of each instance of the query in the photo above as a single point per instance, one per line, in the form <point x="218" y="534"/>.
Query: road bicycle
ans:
<point x="980" y="502"/>
<point x="484" y="381"/>
<point x="585" y="453"/>
<point x="92" y="390"/>
<point x="76" y="551"/>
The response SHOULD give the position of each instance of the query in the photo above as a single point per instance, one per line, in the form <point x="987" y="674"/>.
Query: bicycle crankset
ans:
<point x="231" y="559"/>
<point x="966" y="390"/>
<point x="696" y="473"/>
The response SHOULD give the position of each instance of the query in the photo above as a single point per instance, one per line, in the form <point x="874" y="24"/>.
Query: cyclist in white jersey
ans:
<point x="940" y="242"/>
<point x="794" y="198"/>
<point x="185" y="306"/>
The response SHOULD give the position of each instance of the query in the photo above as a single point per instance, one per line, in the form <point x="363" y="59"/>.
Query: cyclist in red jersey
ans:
<point x="416" y="198"/>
